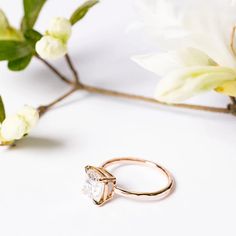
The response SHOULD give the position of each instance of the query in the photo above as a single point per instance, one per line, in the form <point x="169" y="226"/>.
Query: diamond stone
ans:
<point x="93" y="188"/>
<point x="99" y="185"/>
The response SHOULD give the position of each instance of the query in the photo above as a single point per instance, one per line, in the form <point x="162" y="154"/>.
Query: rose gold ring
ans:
<point x="101" y="185"/>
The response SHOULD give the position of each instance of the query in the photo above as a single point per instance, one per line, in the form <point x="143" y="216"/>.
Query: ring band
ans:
<point x="101" y="185"/>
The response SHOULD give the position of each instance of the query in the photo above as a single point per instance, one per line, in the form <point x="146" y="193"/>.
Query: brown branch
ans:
<point x="43" y="109"/>
<point x="80" y="86"/>
<point x="108" y="92"/>
<point x="91" y="89"/>
<point x="72" y="67"/>
<point x="232" y="106"/>
<point x="53" y="69"/>
<point x="233" y="100"/>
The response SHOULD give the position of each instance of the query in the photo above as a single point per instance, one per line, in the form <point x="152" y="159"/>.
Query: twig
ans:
<point x="232" y="106"/>
<point x="53" y="69"/>
<point x="43" y="109"/>
<point x="233" y="100"/>
<point x="102" y="91"/>
<point x="74" y="71"/>
<point x="80" y="86"/>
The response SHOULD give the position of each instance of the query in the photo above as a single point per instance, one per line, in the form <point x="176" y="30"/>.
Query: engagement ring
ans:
<point x="101" y="185"/>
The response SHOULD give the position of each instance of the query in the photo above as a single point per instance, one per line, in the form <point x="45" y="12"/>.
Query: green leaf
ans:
<point x="82" y="11"/>
<point x="12" y="50"/>
<point x="19" y="64"/>
<point x="32" y="36"/>
<point x="32" y="9"/>
<point x="2" y="111"/>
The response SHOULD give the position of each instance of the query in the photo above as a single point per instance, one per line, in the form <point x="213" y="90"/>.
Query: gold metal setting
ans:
<point x="107" y="179"/>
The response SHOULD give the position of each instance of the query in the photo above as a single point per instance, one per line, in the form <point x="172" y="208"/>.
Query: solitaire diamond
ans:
<point x="99" y="185"/>
<point x="94" y="188"/>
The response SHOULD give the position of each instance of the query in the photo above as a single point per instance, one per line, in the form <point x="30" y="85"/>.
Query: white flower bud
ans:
<point x="30" y="115"/>
<point x="13" y="128"/>
<point x="51" y="48"/>
<point x="3" y="142"/>
<point x="60" y="28"/>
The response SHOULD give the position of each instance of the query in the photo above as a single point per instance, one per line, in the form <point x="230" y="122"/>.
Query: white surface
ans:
<point x="41" y="179"/>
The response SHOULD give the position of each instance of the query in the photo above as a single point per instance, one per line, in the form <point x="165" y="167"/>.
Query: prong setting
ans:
<point x="100" y="185"/>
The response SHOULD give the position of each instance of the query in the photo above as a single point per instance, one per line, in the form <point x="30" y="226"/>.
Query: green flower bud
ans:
<point x="6" y="31"/>
<point x="4" y="24"/>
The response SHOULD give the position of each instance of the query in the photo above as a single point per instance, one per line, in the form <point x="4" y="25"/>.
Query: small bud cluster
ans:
<point x="53" y="44"/>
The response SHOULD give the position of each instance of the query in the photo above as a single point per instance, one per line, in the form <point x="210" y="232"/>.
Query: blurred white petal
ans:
<point x="204" y="24"/>
<point x="164" y="63"/>
<point x="188" y="82"/>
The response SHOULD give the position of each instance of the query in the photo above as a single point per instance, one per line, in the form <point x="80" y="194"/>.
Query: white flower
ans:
<point x="51" y="48"/>
<point x="185" y="83"/>
<point x="60" y="28"/>
<point x="163" y="63"/>
<point x="197" y="36"/>
<point x="228" y="88"/>
<point x="13" y="128"/>
<point x="30" y="115"/>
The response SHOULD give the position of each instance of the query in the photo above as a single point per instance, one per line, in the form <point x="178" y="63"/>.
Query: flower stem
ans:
<point x="72" y="67"/>
<point x="53" y="69"/>
<point x="96" y="90"/>
<point x="233" y="100"/>
<point x="232" y="106"/>
<point x="43" y="109"/>
<point x="108" y="92"/>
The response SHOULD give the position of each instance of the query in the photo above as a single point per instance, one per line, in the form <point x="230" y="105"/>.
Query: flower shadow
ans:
<point x="38" y="143"/>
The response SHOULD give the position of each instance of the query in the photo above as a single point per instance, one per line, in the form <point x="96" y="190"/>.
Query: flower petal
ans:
<point x="164" y="63"/>
<point x="60" y="28"/>
<point x="188" y="82"/>
<point x="51" y="48"/>
<point x="204" y="24"/>
<point x="13" y="128"/>
<point x="30" y="115"/>
<point x="228" y="88"/>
